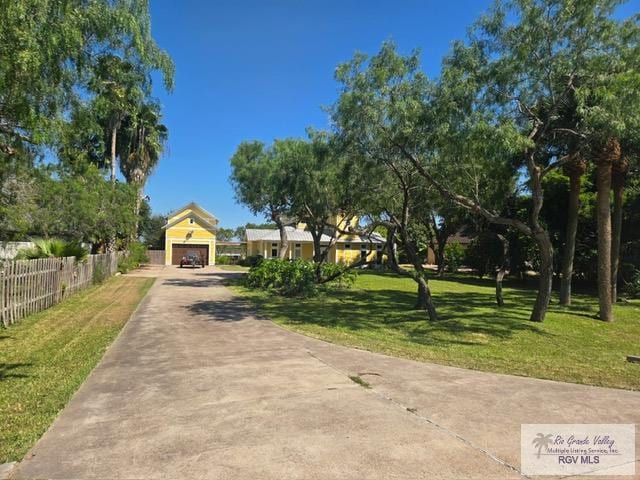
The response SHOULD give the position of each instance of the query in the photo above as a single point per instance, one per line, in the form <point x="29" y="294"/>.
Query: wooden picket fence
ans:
<point x="29" y="286"/>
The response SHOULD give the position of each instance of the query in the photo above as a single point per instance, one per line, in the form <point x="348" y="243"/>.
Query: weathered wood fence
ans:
<point x="156" y="257"/>
<point x="28" y="286"/>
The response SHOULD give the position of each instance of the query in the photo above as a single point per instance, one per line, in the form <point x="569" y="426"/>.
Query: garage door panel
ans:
<point x="179" y="251"/>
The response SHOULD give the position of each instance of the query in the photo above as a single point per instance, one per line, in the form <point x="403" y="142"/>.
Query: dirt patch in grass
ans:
<point x="47" y="356"/>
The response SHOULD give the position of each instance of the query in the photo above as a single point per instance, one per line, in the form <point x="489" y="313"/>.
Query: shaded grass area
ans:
<point x="377" y="315"/>
<point x="45" y="357"/>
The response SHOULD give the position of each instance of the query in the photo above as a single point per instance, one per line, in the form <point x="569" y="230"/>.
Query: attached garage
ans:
<point x="179" y="251"/>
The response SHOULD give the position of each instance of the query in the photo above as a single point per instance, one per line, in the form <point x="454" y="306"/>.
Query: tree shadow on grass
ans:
<point x="8" y="370"/>
<point x="466" y="318"/>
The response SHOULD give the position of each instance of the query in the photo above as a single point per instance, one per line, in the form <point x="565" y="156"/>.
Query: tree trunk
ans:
<point x="603" y="209"/>
<point x="317" y="253"/>
<point x="575" y="169"/>
<point x="440" y="259"/>
<point x="618" y="182"/>
<point x="111" y="242"/>
<point x="546" y="276"/>
<point x="534" y="230"/>
<point x="442" y="235"/>
<point x="499" y="278"/>
<point x="136" y="211"/>
<point x="424" y="301"/>
<point x="503" y="269"/>
<point x="114" y="135"/>
<point x="284" y="241"/>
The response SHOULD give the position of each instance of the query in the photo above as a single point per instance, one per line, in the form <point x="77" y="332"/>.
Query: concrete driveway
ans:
<point x="197" y="387"/>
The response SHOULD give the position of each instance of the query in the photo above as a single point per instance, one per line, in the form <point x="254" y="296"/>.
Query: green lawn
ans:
<point x="571" y="345"/>
<point x="233" y="268"/>
<point x="45" y="357"/>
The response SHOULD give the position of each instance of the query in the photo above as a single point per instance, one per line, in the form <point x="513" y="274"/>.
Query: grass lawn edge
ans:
<point x="145" y="285"/>
<point x="282" y="317"/>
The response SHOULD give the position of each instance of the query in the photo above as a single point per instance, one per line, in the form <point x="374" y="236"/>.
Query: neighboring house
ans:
<point x="347" y="248"/>
<point x="190" y="229"/>
<point x="455" y="238"/>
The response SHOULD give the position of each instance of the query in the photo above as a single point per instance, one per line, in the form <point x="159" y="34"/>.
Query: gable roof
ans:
<point x="299" y="235"/>
<point x="203" y="222"/>
<point x="194" y="206"/>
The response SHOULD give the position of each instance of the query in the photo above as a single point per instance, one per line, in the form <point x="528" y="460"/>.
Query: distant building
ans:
<point x="348" y="248"/>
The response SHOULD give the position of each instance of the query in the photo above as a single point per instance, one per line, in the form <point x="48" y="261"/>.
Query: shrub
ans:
<point x="287" y="278"/>
<point x="453" y="256"/>
<point x="251" y="261"/>
<point x="297" y="277"/>
<point x="52" y="247"/>
<point x="345" y="277"/>
<point x="632" y="287"/>
<point x="223" y="260"/>
<point x="484" y="254"/>
<point x="135" y="255"/>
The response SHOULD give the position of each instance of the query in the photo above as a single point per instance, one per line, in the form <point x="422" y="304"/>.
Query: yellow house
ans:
<point x="190" y="229"/>
<point x="346" y="249"/>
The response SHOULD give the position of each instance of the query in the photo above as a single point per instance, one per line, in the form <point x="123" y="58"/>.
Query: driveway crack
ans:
<point x="414" y="412"/>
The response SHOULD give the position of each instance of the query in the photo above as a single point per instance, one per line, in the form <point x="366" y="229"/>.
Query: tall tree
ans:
<point x="386" y="111"/>
<point x="619" y="173"/>
<point x="143" y="141"/>
<point x="48" y="47"/>
<point x="322" y="189"/>
<point x="574" y="169"/>
<point x="604" y="157"/>
<point x="225" y="234"/>
<point x="120" y="87"/>
<point x="260" y="179"/>
<point x="575" y="52"/>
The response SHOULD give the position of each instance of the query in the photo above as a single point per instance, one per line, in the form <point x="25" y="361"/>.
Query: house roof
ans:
<point x="196" y="207"/>
<point x="299" y="235"/>
<point x="202" y="221"/>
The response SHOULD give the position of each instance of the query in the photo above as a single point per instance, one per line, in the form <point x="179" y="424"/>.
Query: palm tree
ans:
<point x="145" y="139"/>
<point x="542" y="441"/>
<point x="618" y="181"/>
<point x="605" y="157"/>
<point x="118" y="85"/>
<point x="574" y="169"/>
<point x="52" y="247"/>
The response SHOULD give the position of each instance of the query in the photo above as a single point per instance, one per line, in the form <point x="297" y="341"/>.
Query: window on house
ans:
<point x="347" y="246"/>
<point x="190" y="220"/>
<point x="297" y="250"/>
<point x="274" y="250"/>
<point x="363" y="252"/>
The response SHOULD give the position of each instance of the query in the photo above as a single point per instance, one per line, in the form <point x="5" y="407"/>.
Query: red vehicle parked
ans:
<point x="192" y="259"/>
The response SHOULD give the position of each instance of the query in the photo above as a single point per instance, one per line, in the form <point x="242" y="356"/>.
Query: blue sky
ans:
<point x="261" y="70"/>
